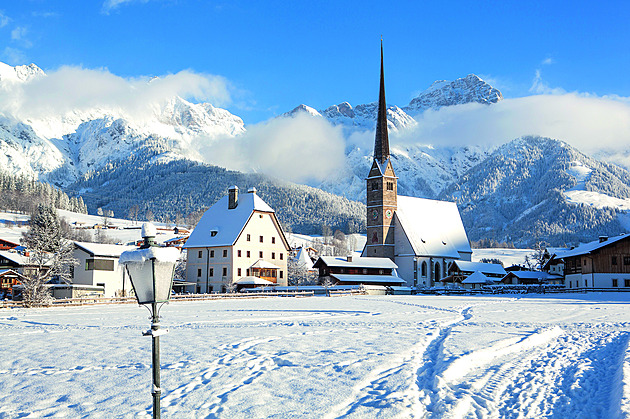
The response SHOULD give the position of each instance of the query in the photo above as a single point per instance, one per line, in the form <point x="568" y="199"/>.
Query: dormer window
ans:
<point x="213" y="233"/>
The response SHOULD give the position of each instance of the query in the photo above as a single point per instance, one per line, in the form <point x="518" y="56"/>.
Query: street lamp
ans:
<point x="151" y="269"/>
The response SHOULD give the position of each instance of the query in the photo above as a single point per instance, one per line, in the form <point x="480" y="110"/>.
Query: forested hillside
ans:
<point x="179" y="190"/>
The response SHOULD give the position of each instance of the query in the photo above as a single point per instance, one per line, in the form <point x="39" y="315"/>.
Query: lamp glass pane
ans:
<point x="163" y="280"/>
<point x="141" y="274"/>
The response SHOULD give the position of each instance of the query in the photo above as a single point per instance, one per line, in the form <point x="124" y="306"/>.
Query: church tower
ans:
<point x="381" y="187"/>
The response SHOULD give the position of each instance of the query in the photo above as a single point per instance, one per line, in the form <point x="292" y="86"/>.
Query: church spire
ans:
<point x="381" y="142"/>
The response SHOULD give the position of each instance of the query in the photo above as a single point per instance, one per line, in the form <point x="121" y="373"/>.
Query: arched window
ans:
<point x="437" y="271"/>
<point x="424" y="269"/>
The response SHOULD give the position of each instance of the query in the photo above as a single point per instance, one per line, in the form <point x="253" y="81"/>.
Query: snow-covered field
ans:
<point x="363" y="356"/>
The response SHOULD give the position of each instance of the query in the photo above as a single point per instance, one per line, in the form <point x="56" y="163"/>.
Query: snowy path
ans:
<point x="356" y="357"/>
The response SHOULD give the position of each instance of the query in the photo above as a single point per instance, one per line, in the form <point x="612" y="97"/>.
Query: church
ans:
<point x="421" y="236"/>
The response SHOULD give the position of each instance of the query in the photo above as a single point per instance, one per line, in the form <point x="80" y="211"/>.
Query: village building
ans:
<point x="237" y="237"/>
<point x="357" y="270"/>
<point x="98" y="267"/>
<point x="460" y="271"/>
<point x="602" y="263"/>
<point x="531" y="278"/>
<point x="421" y="236"/>
<point x="8" y="280"/>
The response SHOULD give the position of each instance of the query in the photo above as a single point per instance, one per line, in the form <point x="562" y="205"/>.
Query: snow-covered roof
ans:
<point x="100" y="249"/>
<point x="357" y="262"/>
<point x="434" y="228"/>
<point x="538" y="275"/>
<point x="486" y="268"/>
<point x="263" y="264"/>
<point x="253" y="280"/>
<point x="590" y="247"/>
<point x="477" y="278"/>
<point x="14" y="257"/>
<point x="303" y="259"/>
<point x="227" y="223"/>
<point x="369" y="279"/>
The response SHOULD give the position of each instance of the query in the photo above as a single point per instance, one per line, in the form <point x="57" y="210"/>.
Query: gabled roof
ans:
<point x="369" y="279"/>
<point x="477" y="278"/>
<point x="434" y="228"/>
<point x="100" y="249"/>
<point x="537" y="275"/>
<point x="253" y="280"/>
<point x="357" y="262"/>
<point x="486" y="268"/>
<point x="590" y="247"/>
<point x="15" y="257"/>
<point x="227" y="223"/>
<point x="303" y="259"/>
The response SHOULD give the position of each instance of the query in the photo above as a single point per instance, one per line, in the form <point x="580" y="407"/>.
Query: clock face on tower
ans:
<point x="388" y="213"/>
<point x="374" y="214"/>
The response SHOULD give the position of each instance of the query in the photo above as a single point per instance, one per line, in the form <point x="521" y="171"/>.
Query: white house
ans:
<point x="98" y="266"/>
<point x="237" y="237"/>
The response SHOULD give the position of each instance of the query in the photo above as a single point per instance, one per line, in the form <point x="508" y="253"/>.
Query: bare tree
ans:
<point x="50" y="256"/>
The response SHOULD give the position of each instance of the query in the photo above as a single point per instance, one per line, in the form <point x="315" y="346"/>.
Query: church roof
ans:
<point x="227" y="223"/>
<point x="368" y="279"/>
<point x="381" y="141"/>
<point x="434" y="228"/>
<point x="357" y="262"/>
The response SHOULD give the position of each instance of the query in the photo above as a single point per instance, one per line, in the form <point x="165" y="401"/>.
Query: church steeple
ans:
<point x="381" y="142"/>
<point x="382" y="188"/>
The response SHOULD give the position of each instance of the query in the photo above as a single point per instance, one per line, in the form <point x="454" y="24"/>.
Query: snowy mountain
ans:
<point x="536" y="188"/>
<point x="61" y="148"/>
<point x="448" y="93"/>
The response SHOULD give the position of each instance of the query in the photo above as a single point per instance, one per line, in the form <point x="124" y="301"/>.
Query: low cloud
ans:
<point x="77" y="89"/>
<point x="299" y="149"/>
<point x="110" y="5"/>
<point x="586" y="122"/>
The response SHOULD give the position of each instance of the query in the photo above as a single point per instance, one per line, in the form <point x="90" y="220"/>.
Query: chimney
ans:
<point x="349" y="257"/>
<point x="251" y="190"/>
<point x="233" y="194"/>
<point x="602" y="239"/>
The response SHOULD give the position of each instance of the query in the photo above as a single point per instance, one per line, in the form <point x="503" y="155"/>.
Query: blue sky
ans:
<point x="275" y="55"/>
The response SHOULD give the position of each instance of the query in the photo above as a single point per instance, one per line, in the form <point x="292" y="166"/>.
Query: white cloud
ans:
<point x="539" y="87"/>
<point x="72" y="88"/>
<point x="18" y="34"/>
<point x="299" y="149"/>
<point x="110" y="5"/>
<point x="548" y="61"/>
<point x="13" y="56"/>
<point x="4" y="20"/>
<point x="586" y="122"/>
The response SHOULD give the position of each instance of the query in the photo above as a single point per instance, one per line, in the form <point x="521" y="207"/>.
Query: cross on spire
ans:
<point x="381" y="142"/>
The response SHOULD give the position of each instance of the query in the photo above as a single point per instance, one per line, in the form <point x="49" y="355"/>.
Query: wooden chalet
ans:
<point x="358" y="270"/>
<point x="8" y="279"/>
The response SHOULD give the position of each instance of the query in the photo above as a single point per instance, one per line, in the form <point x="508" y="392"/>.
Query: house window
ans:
<point x="249" y="237"/>
<point x="200" y="254"/>
<point x="224" y="271"/>
<point x="613" y="260"/>
<point x="211" y="272"/>
<point x="260" y="254"/>
<point x="626" y="260"/>
<point x="281" y="273"/>
<point x="239" y="253"/>
<point x="224" y="253"/>
<point x="249" y="254"/>
<point x="99" y="265"/>
<point x="583" y="262"/>
<point x="199" y="272"/>
<point x="273" y="255"/>
<point x="212" y="253"/>
<point x="586" y="282"/>
<point x="390" y="186"/>
<point x="247" y="272"/>
<point x="626" y="282"/>
<point x="261" y="239"/>
<point x="239" y="271"/>
<point x="281" y="256"/>
<point x="424" y="269"/>
<point x="614" y="282"/>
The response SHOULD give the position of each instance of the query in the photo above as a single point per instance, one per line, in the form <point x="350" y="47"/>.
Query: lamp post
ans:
<point x="151" y="269"/>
